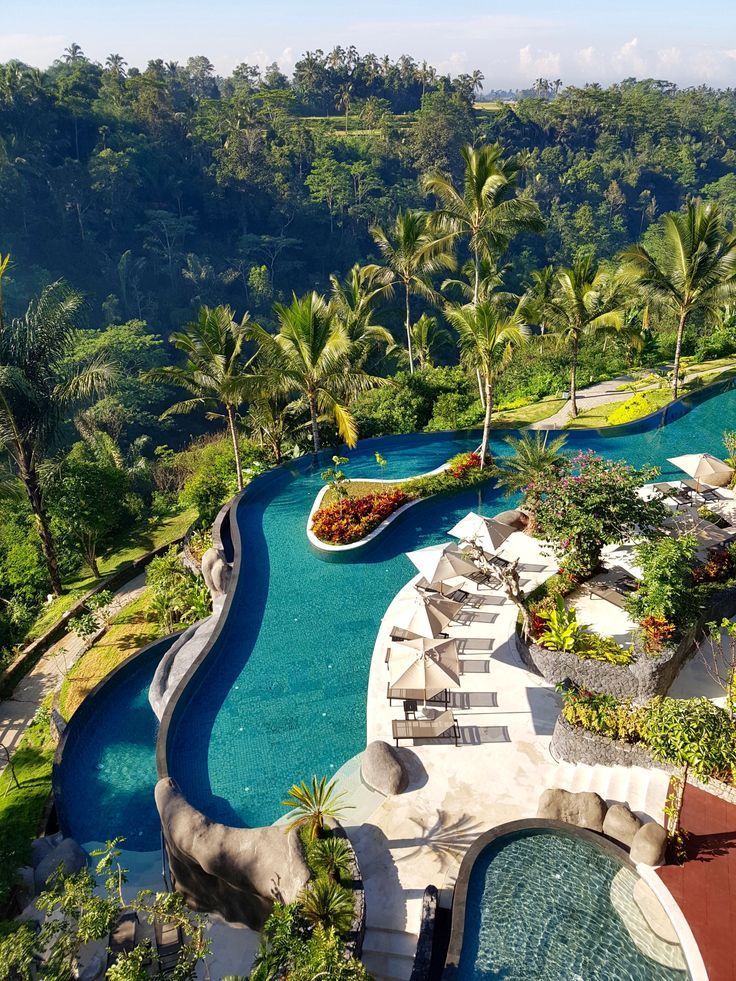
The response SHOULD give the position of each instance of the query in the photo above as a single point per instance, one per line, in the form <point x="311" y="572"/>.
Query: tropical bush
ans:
<point x="598" y="648"/>
<point x="594" y="503"/>
<point x="634" y="408"/>
<point x="561" y="630"/>
<point x="210" y="476"/>
<point x="690" y="732"/>
<point x="291" y="949"/>
<point x="178" y="597"/>
<point x="352" y="518"/>
<point x="666" y="591"/>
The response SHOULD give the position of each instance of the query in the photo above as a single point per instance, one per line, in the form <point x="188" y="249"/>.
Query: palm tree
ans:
<point x="428" y="340"/>
<point x="311" y="355"/>
<point x="326" y="902"/>
<point x="39" y="386"/>
<point x="312" y="805"/>
<point x="490" y="210"/>
<point x="344" y="99"/>
<point x="351" y="304"/>
<point x="216" y="372"/>
<point x="533" y="456"/>
<point x="411" y="254"/>
<point x="584" y="299"/>
<point x="272" y="420"/>
<point x="4" y="264"/>
<point x="696" y="270"/>
<point x="488" y="337"/>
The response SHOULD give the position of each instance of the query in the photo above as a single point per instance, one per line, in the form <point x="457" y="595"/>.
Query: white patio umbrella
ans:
<point x="425" y="615"/>
<point x="488" y="533"/>
<point x="439" y="564"/>
<point x="424" y="666"/>
<point x="706" y="469"/>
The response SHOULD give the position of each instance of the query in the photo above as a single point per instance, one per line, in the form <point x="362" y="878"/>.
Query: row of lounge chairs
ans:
<point x="685" y="492"/>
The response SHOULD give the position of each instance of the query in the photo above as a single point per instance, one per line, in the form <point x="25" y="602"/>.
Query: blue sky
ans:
<point x="572" y="40"/>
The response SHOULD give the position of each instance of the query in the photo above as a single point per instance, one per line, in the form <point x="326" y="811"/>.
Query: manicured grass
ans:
<point x="132" y="628"/>
<point x="21" y="808"/>
<point x="525" y="415"/>
<point x="359" y="488"/>
<point x="597" y="417"/>
<point x="157" y="532"/>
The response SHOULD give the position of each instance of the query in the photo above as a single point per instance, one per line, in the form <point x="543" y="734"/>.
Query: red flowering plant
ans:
<point x="656" y="632"/>
<point x="352" y="518"/>
<point x="590" y="503"/>
<point x="718" y="566"/>
<point x="465" y="463"/>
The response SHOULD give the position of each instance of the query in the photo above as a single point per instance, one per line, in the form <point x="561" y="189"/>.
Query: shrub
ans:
<point x="561" y="631"/>
<point x="718" y="567"/>
<point x="462" y="470"/>
<point x="593" y="502"/>
<point x="656" y="632"/>
<point x="178" y="597"/>
<point x="636" y="407"/>
<point x="455" y="410"/>
<point x="666" y="590"/>
<point x="599" y="648"/>
<point x="352" y="518"/>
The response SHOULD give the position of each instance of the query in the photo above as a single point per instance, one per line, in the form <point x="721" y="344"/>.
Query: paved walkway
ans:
<point x="589" y="398"/>
<point x="17" y="712"/>
<point x="705" y="886"/>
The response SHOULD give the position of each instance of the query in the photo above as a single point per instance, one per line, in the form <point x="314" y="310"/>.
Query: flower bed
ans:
<point x="352" y="518"/>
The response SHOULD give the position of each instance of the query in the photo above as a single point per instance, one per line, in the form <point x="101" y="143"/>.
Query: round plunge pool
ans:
<point x="543" y="903"/>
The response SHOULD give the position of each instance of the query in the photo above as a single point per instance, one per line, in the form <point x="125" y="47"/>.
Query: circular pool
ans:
<point x="551" y="903"/>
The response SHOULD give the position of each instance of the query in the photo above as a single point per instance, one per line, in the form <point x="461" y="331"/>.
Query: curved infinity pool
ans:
<point x="554" y="907"/>
<point x="282" y="695"/>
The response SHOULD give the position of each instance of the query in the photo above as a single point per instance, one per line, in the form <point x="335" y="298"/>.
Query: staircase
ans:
<point x="388" y="955"/>
<point x="643" y="790"/>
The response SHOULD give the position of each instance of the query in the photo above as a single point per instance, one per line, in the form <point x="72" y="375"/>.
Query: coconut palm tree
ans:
<point x="311" y="355"/>
<point x="489" y="210"/>
<point x="312" y="805"/>
<point x="534" y="455"/>
<point x="39" y="386"/>
<point x="584" y="299"/>
<point x="411" y="252"/>
<point x="351" y="304"/>
<point x="428" y="339"/>
<point x="216" y="373"/>
<point x="488" y="337"/>
<point x="695" y="271"/>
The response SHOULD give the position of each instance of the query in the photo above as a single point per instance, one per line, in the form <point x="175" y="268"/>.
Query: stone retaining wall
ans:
<point x="644" y="677"/>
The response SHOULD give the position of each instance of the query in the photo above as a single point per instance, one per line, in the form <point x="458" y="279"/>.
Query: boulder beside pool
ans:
<point x="584" y="809"/>
<point x="649" y="844"/>
<point x="66" y="854"/>
<point x="621" y="824"/>
<point x="236" y="872"/>
<point x="382" y="769"/>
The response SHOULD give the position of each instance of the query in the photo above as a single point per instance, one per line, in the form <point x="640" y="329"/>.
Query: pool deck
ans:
<point x="456" y="793"/>
<point x="705" y="886"/>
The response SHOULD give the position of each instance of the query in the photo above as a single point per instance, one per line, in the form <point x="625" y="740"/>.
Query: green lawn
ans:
<point x="525" y="415"/>
<point x="21" y="807"/>
<point x="597" y="417"/>
<point x="158" y="532"/>
<point x="132" y="628"/>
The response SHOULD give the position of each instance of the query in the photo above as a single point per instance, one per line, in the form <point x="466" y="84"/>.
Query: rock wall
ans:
<point x="643" y="678"/>
<point x="236" y="872"/>
<point x="577" y="745"/>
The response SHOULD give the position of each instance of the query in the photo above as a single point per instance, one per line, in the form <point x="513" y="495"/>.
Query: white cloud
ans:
<point x="539" y="62"/>
<point x="586" y="56"/>
<point x="628" y="60"/>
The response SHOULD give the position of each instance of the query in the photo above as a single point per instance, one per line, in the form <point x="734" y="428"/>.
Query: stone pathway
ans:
<point x="17" y="712"/>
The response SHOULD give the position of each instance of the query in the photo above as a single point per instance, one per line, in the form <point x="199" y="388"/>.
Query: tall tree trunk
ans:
<point x="476" y="287"/>
<point x="574" y="379"/>
<point x="486" y="424"/>
<point x="29" y="476"/>
<point x="480" y="388"/>
<point x="678" y="352"/>
<point x="408" y="329"/>
<point x="315" y="423"/>
<point x="236" y="448"/>
<point x="90" y="555"/>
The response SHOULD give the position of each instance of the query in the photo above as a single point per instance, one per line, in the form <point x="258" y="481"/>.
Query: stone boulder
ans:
<point x="68" y="854"/>
<point x="649" y="844"/>
<point x="236" y="872"/>
<point x="382" y="769"/>
<point x="584" y="810"/>
<point x="621" y="824"/>
<point x="40" y="847"/>
<point x="216" y="571"/>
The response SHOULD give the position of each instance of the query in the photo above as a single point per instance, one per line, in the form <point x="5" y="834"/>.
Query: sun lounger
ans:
<point x="445" y="724"/>
<point x="123" y="936"/>
<point x="613" y="585"/>
<point x="458" y="595"/>
<point x="668" y="492"/>
<point x="704" y="491"/>
<point x="418" y="694"/>
<point x="169" y="941"/>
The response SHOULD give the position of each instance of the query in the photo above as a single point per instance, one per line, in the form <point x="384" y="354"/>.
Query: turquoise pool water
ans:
<point x="282" y="695"/>
<point x="539" y="906"/>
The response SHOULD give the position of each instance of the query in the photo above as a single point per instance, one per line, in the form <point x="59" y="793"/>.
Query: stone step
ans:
<point x="386" y="941"/>
<point x="386" y="966"/>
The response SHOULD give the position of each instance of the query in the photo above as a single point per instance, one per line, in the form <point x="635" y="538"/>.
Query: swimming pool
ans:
<point x="282" y="694"/>
<point x="554" y="905"/>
